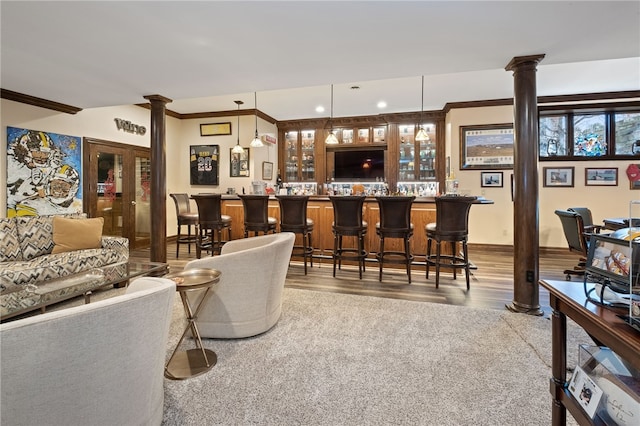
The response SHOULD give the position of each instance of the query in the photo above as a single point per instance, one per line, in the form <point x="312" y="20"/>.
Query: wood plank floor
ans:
<point x="491" y="282"/>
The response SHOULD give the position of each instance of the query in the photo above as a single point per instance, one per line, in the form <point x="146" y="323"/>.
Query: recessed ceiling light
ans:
<point x="320" y="108"/>
<point x="382" y="104"/>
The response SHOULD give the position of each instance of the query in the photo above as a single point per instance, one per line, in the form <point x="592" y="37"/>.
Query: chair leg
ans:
<point x="310" y="249"/>
<point x="304" y="250"/>
<point x="335" y="253"/>
<point x="381" y="257"/>
<point x="178" y="242"/>
<point x="428" y="257"/>
<point x="198" y="242"/>
<point x="454" y="254"/>
<point x="360" y="255"/>
<point x="465" y="254"/>
<point x="364" y="267"/>
<point x="437" y="263"/>
<point x="407" y="253"/>
<point x="188" y="239"/>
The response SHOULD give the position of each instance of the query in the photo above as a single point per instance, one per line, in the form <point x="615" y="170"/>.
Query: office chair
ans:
<point x="573" y="227"/>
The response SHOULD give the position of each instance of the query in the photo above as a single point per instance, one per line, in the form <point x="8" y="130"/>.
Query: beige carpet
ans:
<point x="336" y="359"/>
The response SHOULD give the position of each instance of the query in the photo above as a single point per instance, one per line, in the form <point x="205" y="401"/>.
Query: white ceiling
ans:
<point x="206" y="54"/>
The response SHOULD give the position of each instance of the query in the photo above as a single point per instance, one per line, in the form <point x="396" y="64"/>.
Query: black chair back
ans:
<point x="573" y="227"/>
<point x="293" y="212"/>
<point x="347" y="213"/>
<point x="452" y="217"/>
<point x="209" y="209"/>
<point x="395" y="215"/>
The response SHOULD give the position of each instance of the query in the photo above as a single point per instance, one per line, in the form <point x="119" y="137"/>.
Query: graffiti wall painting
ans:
<point x="43" y="173"/>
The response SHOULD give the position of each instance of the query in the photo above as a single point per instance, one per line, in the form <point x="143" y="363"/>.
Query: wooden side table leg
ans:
<point x="558" y="366"/>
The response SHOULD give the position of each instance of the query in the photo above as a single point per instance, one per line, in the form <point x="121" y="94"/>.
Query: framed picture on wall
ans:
<point x="491" y="179"/>
<point x="239" y="163"/>
<point x="487" y="146"/>
<point x="267" y="170"/>
<point x="601" y="177"/>
<point x="203" y="164"/>
<point x="558" y="176"/>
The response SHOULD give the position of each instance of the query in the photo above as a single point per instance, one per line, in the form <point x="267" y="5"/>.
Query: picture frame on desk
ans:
<point x="558" y="176"/>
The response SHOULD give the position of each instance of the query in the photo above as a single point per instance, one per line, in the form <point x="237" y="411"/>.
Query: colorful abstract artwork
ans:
<point x="43" y="173"/>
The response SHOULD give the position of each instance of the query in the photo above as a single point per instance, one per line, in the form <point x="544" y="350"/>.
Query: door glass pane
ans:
<point x="291" y="156"/>
<point x="553" y="136"/>
<point x="143" y="198"/>
<point x="110" y="193"/>
<point x="627" y="133"/>
<point x="589" y="132"/>
<point x="406" y="170"/>
<point x="428" y="154"/>
<point x="308" y="158"/>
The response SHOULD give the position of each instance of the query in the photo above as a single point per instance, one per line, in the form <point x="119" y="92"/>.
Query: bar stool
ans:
<point x="211" y="223"/>
<point x="256" y="215"/>
<point x="293" y="218"/>
<point x="395" y="222"/>
<point x="347" y="214"/>
<point x="185" y="218"/>
<point x="452" y="225"/>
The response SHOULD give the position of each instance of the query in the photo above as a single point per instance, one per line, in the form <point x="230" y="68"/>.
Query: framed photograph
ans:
<point x="491" y="179"/>
<point x="215" y="129"/>
<point x="559" y="176"/>
<point x="267" y="170"/>
<point x="487" y="146"/>
<point x="601" y="177"/>
<point x="203" y="164"/>
<point x="239" y="163"/>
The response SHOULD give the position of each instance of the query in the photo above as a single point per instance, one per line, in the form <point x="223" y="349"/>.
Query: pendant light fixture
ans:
<point x="256" y="142"/>
<point x="331" y="139"/>
<point x="422" y="135"/>
<point x="238" y="149"/>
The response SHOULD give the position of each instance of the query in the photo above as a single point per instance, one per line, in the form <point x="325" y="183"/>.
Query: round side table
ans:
<point x="192" y="362"/>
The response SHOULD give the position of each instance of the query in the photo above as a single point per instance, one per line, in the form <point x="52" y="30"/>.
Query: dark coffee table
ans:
<point x="17" y="301"/>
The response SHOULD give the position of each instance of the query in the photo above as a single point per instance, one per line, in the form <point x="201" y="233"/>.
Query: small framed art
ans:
<point x="558" y="176"/>
<point x="491" y="179"/>
<point x="239" y="166"/>
<point x="601" y="176"/>
<point x="215" y="129"/>
<point x="267" y="170"/>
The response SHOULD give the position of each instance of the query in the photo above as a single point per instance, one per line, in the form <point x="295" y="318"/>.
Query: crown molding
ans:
<point x="39" y="102"/>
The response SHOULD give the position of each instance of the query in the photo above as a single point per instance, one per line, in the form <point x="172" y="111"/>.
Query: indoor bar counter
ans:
<point x="320" y="210"/>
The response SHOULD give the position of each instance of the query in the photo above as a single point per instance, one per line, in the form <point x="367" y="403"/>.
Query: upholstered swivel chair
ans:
<point x="256" y="215"/>
<point x="96" y="364"/>
<point x="574" y="232"/>
<point x="587" y="219"/>
<point x="186" y="218"/>
<point x="248" y="298"/>
<point x="293" y="218"/>
<point x="452" y="226"/>
<point x="395" y="222"/>
<point x="211" y="223"/>
<point x="347" y="222"/>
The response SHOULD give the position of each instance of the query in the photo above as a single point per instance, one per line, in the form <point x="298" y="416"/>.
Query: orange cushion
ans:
<point x="76" y="234"/>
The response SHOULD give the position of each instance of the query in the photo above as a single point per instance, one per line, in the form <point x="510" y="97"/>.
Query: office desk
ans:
<point x="616" y="223"/>
<point x="568" y="299"/>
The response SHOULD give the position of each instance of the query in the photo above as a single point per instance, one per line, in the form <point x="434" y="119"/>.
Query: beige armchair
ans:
<point x="248" y="299"/>
<point x="95" y="364"/>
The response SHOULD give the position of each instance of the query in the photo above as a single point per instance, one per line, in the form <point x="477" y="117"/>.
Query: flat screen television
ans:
<point x="359" y="164"/>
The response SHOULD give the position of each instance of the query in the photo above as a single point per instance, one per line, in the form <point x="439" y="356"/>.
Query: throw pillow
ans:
<point x="76" y="234"/>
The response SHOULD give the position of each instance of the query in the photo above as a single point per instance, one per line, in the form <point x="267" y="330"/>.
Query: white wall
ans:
<point x="493" y="224"/>
<point x="99" y="123"/>
<point x="489" y="224"/>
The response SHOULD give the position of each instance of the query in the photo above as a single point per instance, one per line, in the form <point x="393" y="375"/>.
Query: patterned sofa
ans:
<point x="26" y="245"/>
